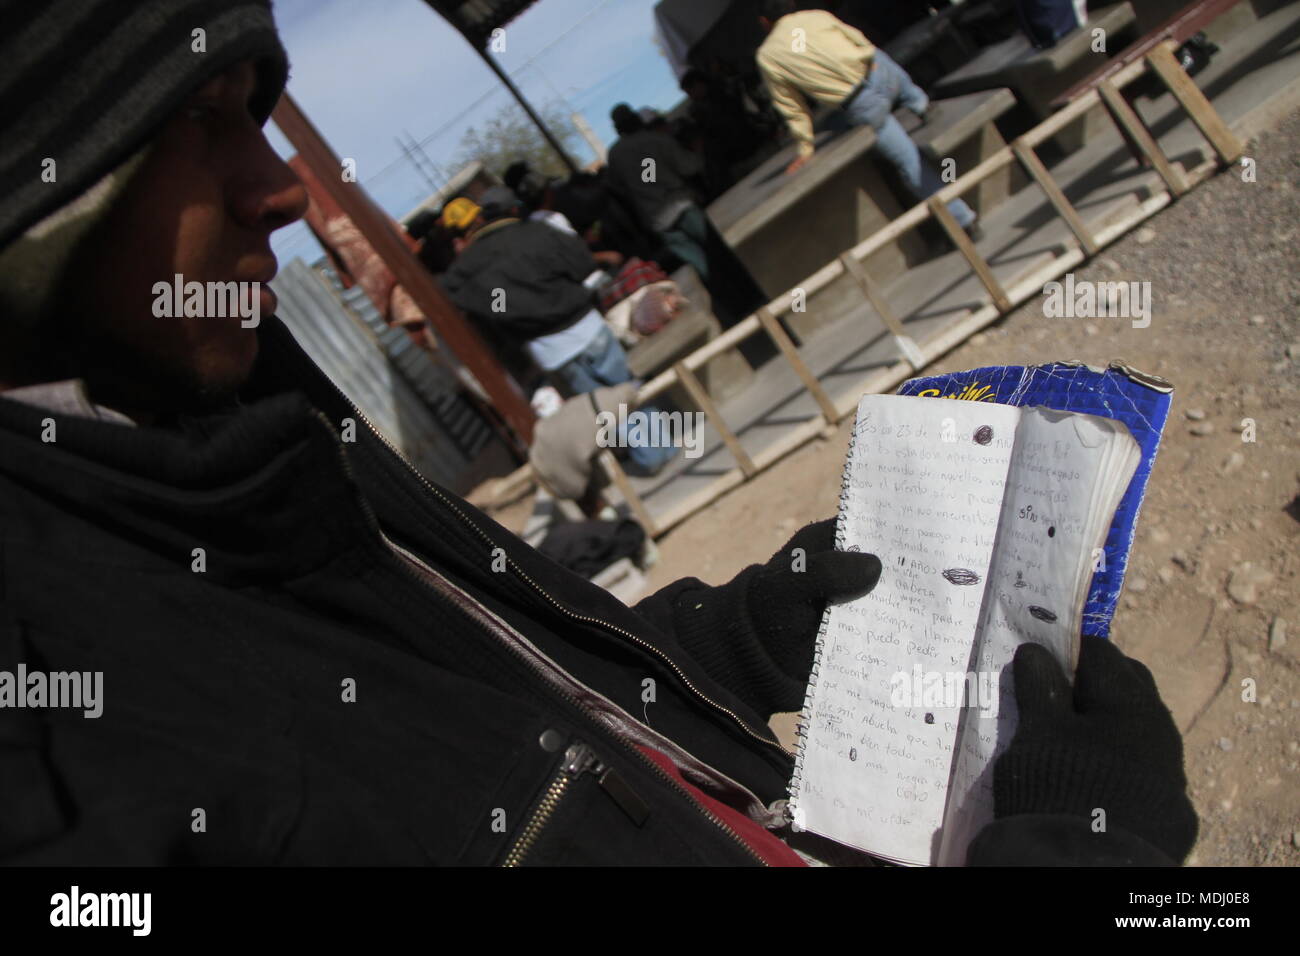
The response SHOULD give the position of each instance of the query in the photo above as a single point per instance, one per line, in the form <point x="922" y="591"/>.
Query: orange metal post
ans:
<point x="419" y="284"/>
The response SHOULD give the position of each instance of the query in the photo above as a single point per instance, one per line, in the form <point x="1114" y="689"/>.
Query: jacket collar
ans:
<point x="271" y="492"/>
<point x="492" y="227"/>
<point x="264" y="492"/>
<point x="69" y="398"/>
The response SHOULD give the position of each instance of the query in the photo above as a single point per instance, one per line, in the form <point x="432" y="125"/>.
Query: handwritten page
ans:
<point x="1067" y="475"/>
<point x="923" y="489"/>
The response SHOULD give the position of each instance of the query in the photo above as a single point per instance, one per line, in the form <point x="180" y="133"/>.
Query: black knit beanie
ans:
<point x="87" y="83"/>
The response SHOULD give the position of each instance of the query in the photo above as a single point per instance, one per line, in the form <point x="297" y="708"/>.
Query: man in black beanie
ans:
<point x="305" y="652"/>
<point x="111" y="174"/>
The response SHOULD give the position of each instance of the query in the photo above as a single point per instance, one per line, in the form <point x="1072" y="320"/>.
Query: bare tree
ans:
<point x="510" y="136"/>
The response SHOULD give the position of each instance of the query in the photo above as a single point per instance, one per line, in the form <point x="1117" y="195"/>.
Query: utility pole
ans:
<point x="589" y="134"/>
<point x="418" y="149"/>
<point x="410" y="157"/>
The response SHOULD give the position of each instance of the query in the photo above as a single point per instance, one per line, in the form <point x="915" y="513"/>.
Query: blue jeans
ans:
<point x="886" y="87"/>
<point x="603" y="363"/>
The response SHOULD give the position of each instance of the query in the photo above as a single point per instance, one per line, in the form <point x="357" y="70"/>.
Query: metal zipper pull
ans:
<point x="580" y="759"/>
<point x="637" y="810"/>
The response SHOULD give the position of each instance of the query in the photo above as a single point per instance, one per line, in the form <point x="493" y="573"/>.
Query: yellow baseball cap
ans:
<point x="459" y="213"/>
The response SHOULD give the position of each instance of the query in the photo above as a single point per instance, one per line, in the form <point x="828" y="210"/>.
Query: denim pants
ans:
<point x="603" y="363"/>
<point x="886" y="87"/>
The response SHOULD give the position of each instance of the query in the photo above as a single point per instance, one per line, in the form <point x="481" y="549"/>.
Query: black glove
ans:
<point x="756" y="634"/>
<point x="785" y="606"/>
<point x="1107" y="743"/>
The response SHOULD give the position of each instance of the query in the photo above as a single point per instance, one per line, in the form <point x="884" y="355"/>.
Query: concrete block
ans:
<point x="963" y="129"/>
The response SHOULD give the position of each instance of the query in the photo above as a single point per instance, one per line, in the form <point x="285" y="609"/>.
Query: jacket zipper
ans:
<point x="604" y="711"/>
<point x="558" y="788"/>
<point x="573" y="701"/>
<point x="578" y="759"/>
<point x="536" y="587"/>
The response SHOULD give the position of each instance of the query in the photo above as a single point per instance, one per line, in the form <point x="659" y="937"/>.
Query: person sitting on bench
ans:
<point x="812" y="55"/>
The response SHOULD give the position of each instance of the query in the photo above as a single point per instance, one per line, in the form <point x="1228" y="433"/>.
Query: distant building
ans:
<point x="470" y="181"/>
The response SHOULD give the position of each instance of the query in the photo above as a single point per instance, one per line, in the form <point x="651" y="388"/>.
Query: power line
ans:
<point x="585" y="17"/>
<point x="494" y="90"/>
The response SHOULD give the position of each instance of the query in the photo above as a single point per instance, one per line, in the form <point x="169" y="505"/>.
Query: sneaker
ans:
<point x="649" y="555"/>
<point x="974" y="230"/>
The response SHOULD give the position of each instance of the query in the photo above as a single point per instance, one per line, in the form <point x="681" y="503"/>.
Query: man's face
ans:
<point x="203" y="204"/>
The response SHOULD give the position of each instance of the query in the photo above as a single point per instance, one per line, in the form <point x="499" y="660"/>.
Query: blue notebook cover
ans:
<point x="1139" y="400"/>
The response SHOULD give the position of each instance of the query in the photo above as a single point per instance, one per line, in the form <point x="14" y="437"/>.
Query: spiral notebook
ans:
<point x="990" y="521"/>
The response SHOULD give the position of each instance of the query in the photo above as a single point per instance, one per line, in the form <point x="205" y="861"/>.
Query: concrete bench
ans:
<point x="784" y="228"/>
<point x="931" y="47"/>
<point x="1037" y="77"/>
<point x="921" y="36"/>
<point x="1184" y="20"/>
<point x="964" y="129"/>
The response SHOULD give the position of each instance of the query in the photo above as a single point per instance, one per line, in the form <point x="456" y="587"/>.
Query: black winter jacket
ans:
<point x="308" y="658"/>
<point x="522" y="279"/>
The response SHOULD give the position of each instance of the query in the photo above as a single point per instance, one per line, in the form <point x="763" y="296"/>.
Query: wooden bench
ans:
<point x="1037" y="77"/>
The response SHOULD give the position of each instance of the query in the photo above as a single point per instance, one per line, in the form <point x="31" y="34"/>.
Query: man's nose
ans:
<point x="272" y="196"/>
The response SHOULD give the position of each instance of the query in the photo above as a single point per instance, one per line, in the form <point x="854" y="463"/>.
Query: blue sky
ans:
<point x="367" y="71"/>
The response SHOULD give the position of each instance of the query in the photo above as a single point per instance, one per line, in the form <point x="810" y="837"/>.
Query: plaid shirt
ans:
<point x="634" y="274"/>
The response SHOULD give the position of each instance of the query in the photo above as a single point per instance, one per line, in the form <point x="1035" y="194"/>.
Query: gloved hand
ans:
<point x="785" y="606"/>
<point x="1108" y="743"/>
<point x="756" y="633"/>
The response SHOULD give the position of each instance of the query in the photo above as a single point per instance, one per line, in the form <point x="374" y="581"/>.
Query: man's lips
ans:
<point x="268" y="298"/>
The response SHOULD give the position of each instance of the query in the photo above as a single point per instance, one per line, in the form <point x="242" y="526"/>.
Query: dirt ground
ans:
<point x="1225" y="291"/>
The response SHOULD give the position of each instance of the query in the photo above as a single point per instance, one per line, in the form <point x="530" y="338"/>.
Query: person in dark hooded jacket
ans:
<point x="308" y="653"/>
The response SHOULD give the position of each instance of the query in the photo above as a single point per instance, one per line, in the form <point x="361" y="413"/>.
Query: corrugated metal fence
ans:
<point x="414" y="401"/>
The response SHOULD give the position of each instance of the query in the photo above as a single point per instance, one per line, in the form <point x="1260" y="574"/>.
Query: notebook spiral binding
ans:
<point x="805" y="715"/>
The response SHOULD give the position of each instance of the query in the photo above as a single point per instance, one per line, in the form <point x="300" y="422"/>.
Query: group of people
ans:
<point x="309" y="653"/>
<point x="528" y="281"/>
<point x="514" y="263"/>
<point x="650" y="198"/>
<point x="520" y="269"/>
